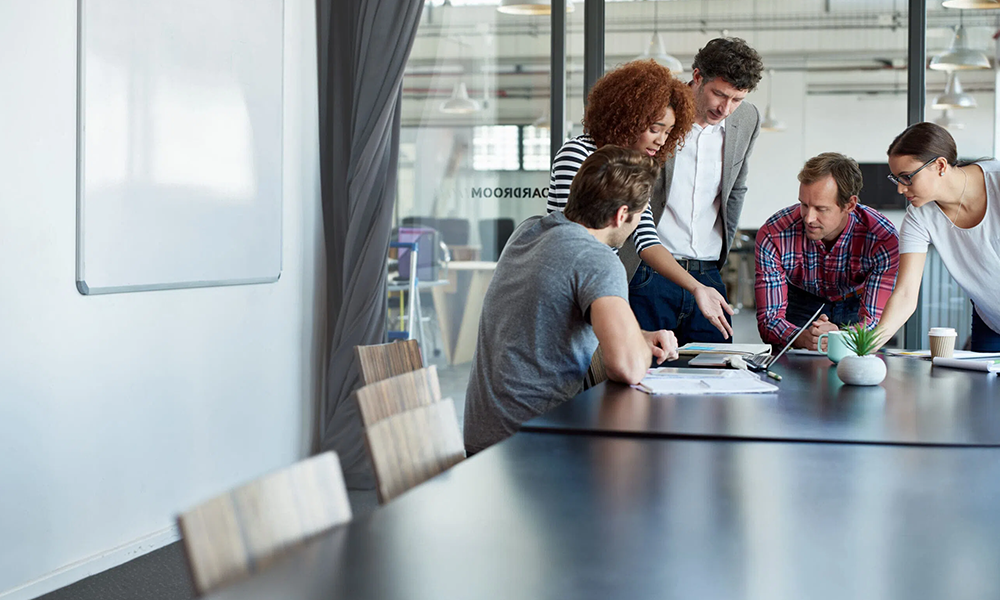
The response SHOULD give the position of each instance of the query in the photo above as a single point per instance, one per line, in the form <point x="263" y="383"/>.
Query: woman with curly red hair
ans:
<point x="641" y="106"/>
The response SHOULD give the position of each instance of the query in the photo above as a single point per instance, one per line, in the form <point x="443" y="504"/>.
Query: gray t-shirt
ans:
<point x="535" y="339"/>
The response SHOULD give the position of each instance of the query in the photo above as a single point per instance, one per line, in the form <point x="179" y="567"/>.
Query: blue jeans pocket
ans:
<point x="642" y="277"/>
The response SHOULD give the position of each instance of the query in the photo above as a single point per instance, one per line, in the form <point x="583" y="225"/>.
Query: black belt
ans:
<point x="698" y="266"/>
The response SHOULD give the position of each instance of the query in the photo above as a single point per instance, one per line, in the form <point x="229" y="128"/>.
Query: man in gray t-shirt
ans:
<point x="559" y="290"/>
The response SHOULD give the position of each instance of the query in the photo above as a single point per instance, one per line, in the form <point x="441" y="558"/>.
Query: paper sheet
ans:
<point x="678" y="381"/>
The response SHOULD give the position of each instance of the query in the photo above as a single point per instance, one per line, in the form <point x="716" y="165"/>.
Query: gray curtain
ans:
<point x="363" y="47"/>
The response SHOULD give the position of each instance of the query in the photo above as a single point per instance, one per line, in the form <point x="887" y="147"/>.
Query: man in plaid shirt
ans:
<point x="826" y="249"/>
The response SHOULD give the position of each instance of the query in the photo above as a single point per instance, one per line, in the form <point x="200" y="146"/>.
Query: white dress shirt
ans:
<point x="691" y="225"/>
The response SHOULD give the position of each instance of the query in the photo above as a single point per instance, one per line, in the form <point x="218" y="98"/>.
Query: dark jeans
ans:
<point x="984" y="339"/>
<point x="659" y="303"/>
<point x="802" y="305"/>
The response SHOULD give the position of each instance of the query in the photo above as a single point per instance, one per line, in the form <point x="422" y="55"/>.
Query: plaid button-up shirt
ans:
<point x="863" y="262"/>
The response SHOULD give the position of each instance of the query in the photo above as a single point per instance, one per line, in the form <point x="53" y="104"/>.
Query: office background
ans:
<point x="119" y="411"/>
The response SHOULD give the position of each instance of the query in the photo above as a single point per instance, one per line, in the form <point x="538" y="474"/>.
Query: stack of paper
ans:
<point x="741" y="349"/>
<point x="675" y="381"/>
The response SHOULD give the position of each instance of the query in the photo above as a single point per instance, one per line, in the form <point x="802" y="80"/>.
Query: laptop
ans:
<point x="760" y="362"/>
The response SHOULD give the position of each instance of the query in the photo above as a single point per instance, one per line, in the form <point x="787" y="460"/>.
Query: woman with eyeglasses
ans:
<point x="954" y="207"/>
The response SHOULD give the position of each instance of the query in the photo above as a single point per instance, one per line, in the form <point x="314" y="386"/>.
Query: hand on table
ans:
<point x="715" y="308"/>
<point x="662" y="343"/>
<point x="810" y="336"/>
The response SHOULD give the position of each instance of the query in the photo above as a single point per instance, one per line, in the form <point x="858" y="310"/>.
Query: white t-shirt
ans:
<point x="971" y="255"/>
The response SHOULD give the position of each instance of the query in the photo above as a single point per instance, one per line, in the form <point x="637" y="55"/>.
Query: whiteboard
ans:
<point x="179" y="145"/>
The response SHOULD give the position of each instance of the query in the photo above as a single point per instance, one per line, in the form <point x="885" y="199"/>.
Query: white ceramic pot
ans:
<point x="861" y="370"/>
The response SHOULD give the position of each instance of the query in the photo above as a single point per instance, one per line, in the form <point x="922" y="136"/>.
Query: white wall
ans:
<point x="118" y="411"/>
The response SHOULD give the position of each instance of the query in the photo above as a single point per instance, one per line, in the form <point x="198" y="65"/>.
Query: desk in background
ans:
<point x="459" y="306"/>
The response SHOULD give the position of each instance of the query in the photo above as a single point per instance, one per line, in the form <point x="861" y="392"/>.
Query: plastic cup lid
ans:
<point x="942" y="331"/>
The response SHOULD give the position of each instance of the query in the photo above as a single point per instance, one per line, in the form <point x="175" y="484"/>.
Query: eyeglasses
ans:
<point x="908" y="179"/>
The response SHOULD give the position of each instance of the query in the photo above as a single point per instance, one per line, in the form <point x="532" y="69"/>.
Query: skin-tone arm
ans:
<point x="710" y="302"/>
<point x="628" y="351"/>
<point x="903" y="300"/>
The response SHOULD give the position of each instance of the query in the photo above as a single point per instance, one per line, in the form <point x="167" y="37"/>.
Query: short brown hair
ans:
<point x="733" y="60"/>
<point x="628" y="100"/>
<point x="609" y="178"/>
<point x="845" y="172"/>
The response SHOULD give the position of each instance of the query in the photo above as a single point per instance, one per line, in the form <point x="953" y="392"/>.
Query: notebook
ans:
<point x="708" y="348"/>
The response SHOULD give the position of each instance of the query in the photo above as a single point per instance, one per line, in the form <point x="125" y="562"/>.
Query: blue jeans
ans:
<point x="984" y="339"/>
<point x="659" y="303"/>
<point x="802" y="305"/>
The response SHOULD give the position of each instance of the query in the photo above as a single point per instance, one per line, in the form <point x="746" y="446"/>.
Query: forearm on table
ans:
<point x="775" y="329"/>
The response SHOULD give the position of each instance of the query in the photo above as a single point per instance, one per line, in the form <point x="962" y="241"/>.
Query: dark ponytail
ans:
<point x="925" y="141"/>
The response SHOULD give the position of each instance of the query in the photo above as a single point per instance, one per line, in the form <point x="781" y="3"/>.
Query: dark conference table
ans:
<point x="916" y="404"/>
<point x="544" y="516"/>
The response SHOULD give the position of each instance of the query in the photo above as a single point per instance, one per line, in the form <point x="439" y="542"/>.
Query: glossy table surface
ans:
<point x="544" y="516"/>
<point x="916" y="404"/>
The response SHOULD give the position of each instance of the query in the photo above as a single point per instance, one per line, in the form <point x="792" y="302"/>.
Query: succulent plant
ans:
<point x="861" y="339"/>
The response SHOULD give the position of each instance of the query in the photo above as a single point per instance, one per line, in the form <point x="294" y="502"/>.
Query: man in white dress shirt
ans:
<point x="703" y="187"/>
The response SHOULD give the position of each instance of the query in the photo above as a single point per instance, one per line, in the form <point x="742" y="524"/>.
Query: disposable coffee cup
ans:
<point x="942" y="341"/>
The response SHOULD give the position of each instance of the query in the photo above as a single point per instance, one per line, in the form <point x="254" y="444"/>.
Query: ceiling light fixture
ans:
<point x="959" y="56"/>
<point x="971" y="4"/>
<point x="530" y="7"/>
<point x="656" y="50"/>
<point x="953" y="96"/>
<point x="459" y="103"/>
<point x="770" y="122"/>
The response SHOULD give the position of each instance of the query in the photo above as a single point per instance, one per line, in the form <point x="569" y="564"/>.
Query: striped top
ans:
<point x="564" y="168"/>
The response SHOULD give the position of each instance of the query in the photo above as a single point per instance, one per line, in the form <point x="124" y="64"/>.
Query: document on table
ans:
<point x="991" y="365"/>
<point x="958" y="354"/>
<point x="805" y="352"/>
<point x="673" y="381"/>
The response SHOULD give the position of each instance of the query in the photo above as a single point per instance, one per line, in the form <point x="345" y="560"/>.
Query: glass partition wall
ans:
<point x="475" y="155"/>
<point x="476" y="130"/>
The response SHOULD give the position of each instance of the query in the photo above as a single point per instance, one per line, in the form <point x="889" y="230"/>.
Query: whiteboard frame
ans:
<point x="81" y="280"/>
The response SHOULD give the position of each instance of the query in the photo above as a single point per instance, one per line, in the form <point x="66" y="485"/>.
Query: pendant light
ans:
<point x="947" y="121"/>
<point x="770" y="122"/>
<point x="959" y="56"/>
<point x="971" y="4"/>
<point x="459" y="103"/>
<point x="530" y="7"/>
<point x="953" y="96"/>
<point x="656" y="50"/>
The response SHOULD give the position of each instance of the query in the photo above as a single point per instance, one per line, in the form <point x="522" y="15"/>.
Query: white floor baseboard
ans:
<point x="92" y="565"/>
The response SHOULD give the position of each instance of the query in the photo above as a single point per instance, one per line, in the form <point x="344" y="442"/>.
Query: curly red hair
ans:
<point x="627" y="100"/>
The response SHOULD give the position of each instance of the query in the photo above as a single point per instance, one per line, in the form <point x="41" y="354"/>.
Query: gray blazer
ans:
<point x="742" y="128"/>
